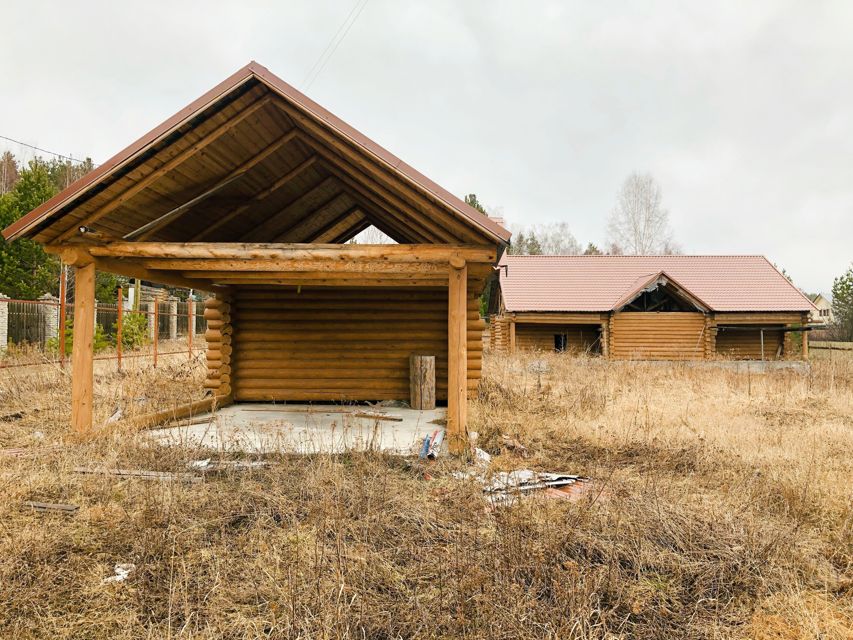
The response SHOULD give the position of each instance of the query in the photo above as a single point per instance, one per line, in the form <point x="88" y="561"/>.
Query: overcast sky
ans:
<point x="743" y="111"/>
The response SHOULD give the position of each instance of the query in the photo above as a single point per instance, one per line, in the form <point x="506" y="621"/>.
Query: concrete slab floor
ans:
<point x="302" y="428"/>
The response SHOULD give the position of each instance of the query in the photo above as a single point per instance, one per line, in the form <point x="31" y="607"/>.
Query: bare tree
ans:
<point x="639" y="224"/>
<point x="553" y="239"/>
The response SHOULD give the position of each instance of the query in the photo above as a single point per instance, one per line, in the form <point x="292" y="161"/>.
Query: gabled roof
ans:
<point x="604" y="283"/>
<point x="305" y="174"/>
<point x="650" y="283"/>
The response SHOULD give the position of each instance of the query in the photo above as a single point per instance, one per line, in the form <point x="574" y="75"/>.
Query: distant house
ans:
<point x="823" y="309"/>
<point x="648" y="307"/>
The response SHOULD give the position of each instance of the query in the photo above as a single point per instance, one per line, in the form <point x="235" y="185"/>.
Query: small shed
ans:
<point x="252" y="193"/>
<point x="648" y="307"/>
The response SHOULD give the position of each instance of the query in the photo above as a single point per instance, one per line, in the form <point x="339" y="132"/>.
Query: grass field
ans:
<point x="722" y="509"/>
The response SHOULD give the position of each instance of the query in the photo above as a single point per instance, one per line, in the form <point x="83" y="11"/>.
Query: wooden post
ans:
<point x="422" y="382"/>
<point x="512" y="335"/>
<point x="82" y="373"/>
<point x="119" y="322"/>
<point x="63" y="294"/>
<point x="805" y="350"/>
<point x="457" y="357"/>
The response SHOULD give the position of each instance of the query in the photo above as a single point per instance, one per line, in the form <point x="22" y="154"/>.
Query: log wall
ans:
<point x="580" y="338"/>
<point x="217" y="312"/>
<point x="342" y="344"/>
<point x="638" y="335"/>
<point x="746" y="345"/>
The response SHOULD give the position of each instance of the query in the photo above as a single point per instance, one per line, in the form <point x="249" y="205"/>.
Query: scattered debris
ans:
<point x="481" y="457"/>
<point x="377" y="416"/>
<point x="394" y="404"/>
<point x="26" y="452"/>
<point x="505" y="486"/>
<point x="210" y="465"/>
<point x="141" y="474"/>
<point x="8" y="417"/>
<point x="435" y="445"/>
<point x="432" y="445"/>
<point x="69" y="509"/>
<point x="514" y="445"/>
<point x="538" y="366"/>
<point x="118" y="414"/>
<point x="122" y="571"/>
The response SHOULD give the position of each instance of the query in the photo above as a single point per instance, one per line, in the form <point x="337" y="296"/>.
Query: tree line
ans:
<point x="26" y="271"/>
<point x="637" y="225"/>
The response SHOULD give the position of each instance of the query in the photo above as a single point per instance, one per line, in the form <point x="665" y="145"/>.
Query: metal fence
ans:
<point x="41" y="331"/>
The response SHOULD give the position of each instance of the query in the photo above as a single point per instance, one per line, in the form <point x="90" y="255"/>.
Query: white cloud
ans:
<point x="742" y="110"/>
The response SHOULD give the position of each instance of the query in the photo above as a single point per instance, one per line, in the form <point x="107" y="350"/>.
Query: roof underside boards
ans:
<point x="601" y="283"/>
<point x="255" y="160"/>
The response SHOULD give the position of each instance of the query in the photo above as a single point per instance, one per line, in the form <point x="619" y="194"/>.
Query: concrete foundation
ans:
<point x="305" y="429"/>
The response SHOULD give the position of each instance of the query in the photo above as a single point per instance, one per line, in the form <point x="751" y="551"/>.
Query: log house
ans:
<point x="648" y="307"/>
<point x="251" y="193"/>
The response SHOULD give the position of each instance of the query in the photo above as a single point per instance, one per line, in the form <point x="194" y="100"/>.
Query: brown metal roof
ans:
<point x="156" y="146"/>
<point x="603" y="283"/>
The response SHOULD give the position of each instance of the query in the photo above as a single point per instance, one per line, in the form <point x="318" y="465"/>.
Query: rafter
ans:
<point x="378" y="177"/>
<point x="152" y="177"/>
<point x="412" y="230"/>
<point x="285" y="234"/>
<point x="318" y="235"/>
<point x="259" y="197"/>
<point x="145" y="232"/>
<point x="271" y="226"/>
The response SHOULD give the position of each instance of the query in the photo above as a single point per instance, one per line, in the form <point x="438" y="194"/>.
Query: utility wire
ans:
<point x="53" y="153"/>
<point x="334" y="43"/>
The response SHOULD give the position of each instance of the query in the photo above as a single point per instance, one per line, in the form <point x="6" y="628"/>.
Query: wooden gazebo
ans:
<point x="251" y="193"/>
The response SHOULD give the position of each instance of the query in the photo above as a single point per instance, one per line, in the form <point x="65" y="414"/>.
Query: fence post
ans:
<point x="4" y="323"/>
<point x="63" y="297"/>
<point x="119" y="322"/>
<point x="156" y="329"/>
<point x="50" y="316"/>
<point x="152" y="329"/>
<point x="190" y="324"/>
<point x="173" y="318"/>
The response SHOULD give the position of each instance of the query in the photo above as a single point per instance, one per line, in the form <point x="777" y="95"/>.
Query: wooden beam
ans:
<point x="135" y="270"/>
<point x="283" y="234"/>
<point x="512" y="335"/>
<point x="307" y="276"/>
<point x="457" y="361"/>
<point x="352" y="231"/>
<point x="294" y="251"/>
<point x="333" y="282"/>
<point x="137" y="186"/>
<point x="318" y="235"/>
<point x="235" y="174"/>
<point x="259" y="196"/>
<point x="390" y="209"/>
<point x="272" y="225"/>
<point x="147" y="230"/>
<point x="288" y="267"/>
<point x="82" y="354"/>
<point x="419" y="204"/>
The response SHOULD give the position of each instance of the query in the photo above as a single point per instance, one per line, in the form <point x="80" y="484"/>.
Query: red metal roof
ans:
<point x="25" y="225"/>
<point x="599" y="283"/>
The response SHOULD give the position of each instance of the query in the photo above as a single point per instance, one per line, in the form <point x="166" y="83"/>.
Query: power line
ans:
<point x="334" y="43"/>
<point x="53" y="153"/>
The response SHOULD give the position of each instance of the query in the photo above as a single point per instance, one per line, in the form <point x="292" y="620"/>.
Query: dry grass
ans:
<point x="725" y="511"/>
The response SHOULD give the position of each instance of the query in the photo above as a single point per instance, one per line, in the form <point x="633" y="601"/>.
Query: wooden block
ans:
<point x="422" y="382"/>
